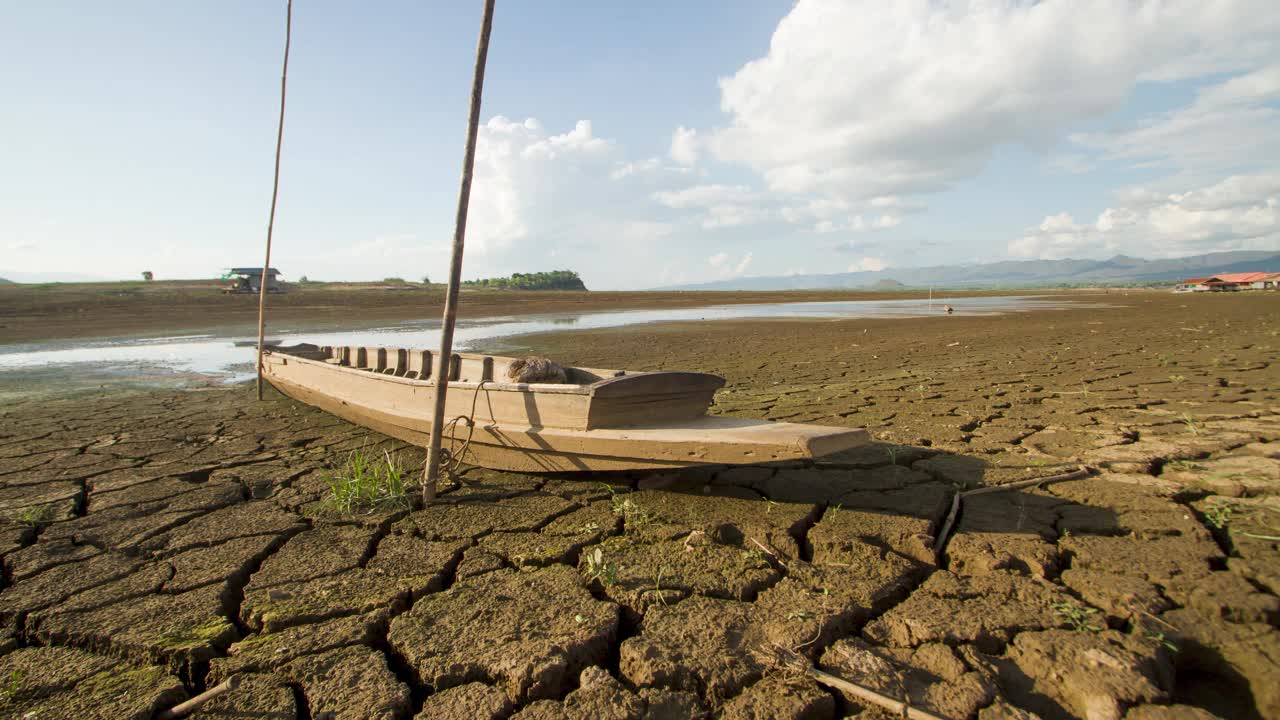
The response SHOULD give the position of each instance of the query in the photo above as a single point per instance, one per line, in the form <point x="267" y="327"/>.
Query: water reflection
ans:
<point x="232" y="357"/>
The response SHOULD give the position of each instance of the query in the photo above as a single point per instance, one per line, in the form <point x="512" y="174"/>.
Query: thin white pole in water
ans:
<point x="930" y="298"/>
<point x="275" y="193"/>
<point x="431" y="473"/>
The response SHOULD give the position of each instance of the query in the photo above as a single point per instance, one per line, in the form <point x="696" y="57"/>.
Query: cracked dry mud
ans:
<point x="156" y="543"/>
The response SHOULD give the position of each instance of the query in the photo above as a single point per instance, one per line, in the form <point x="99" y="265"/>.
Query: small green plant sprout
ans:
<point x="600" y="569"/>
<point x="579" y="618"/>
<point x="1164" y="359"/>
<point x="893" y="454"/>
<point x="1159" y="638"/>
<point x="800" y="615"/>
<point x="1079" y="617"/>
<point x="657" y="584"/>
<point x="36" y="515"/>
<point x="1177" y="379"/>
<point x="1191" y="424"/>
<point x="754" y="556"/>
<point x="13" y="685"/>
<point x="368" y="483"/>
<point x="591" y="527"/>
<point x="769" y="505"/>
<point x="629" y="509"/>
<point x="1218" y="516"/>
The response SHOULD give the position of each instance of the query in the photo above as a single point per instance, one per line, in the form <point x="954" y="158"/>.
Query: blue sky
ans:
<point x="641" y="144"/>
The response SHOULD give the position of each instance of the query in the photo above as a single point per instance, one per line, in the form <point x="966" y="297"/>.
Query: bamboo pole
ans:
<point x="431" y="473"/>
<point x="275" y="192"/>
<point x="184" y="709"/>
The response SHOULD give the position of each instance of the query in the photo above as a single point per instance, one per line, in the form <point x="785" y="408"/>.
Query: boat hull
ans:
<point x="702" y="440"/>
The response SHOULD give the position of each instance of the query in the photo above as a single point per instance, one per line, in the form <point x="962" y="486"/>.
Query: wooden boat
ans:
<point x="598" y="420"/>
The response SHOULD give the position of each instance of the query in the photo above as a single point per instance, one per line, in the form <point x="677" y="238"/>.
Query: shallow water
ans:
<point x="231" y="357"/>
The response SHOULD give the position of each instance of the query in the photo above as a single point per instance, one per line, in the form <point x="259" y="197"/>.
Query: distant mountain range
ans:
<point x="1015" y="273"/>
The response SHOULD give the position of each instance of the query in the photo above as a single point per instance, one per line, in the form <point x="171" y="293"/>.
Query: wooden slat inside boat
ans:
<point x="597" y="420"/>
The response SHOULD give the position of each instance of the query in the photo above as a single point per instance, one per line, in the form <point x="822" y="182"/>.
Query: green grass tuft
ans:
<point x="368" y="484"/>
<point x="1078" y="616"/>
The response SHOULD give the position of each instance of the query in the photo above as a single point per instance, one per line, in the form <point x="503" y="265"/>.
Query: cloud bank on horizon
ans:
<point x="873" y="135"/>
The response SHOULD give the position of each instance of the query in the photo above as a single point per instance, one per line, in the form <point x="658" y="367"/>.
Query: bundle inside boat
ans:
<point x="597" y="420"/>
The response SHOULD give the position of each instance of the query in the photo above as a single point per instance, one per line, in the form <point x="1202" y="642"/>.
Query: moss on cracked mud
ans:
<point x="212" y="632"/>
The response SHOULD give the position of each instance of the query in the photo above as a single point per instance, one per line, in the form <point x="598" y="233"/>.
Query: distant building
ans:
<point x="1230" y="282"/>
<point x="249" y="280"/>
<point x="1267" y="282"/>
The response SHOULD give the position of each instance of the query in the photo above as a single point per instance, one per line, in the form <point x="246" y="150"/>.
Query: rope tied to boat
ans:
<point x="451" y="459"/>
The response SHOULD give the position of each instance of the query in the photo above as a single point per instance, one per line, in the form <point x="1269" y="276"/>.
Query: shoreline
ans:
<point x="71" y="313"/>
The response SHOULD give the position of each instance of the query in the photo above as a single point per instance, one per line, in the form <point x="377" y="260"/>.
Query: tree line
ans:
<point x="552" y="280"/>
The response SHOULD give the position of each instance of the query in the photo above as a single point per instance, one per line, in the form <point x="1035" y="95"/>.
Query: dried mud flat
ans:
<point x="156" y="543"/>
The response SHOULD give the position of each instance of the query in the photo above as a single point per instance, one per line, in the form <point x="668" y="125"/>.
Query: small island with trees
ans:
<point x="552" y="280"/>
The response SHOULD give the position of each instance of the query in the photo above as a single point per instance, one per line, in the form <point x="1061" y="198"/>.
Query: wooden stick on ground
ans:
<point x="791" y="661"/>
<point x="190" y="706"/>
<point x="275" y="192"/>
<point x="431" y="473"/>
<point x="944" y="534"/>
<point x="871" y="696"/>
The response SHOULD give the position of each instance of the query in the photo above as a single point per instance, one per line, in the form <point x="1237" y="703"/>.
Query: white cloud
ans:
<point x="1241" y="212"/>
<point x="1230" y="123"/>
<point x="725" y="268"/>
<point x="526" y="182"/>
<point x="684" y="146"/>
<point x="867" y="99"/>
<point x="720" y="206"/>
<point x="868" y="264"/>
<point x="704" y="196"/>
<point x="639" y="167"/>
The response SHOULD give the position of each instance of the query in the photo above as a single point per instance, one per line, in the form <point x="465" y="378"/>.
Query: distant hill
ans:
<point x="887" y="284"/>
<point x="1120" y="269"/>
<point x="5" y="282"/>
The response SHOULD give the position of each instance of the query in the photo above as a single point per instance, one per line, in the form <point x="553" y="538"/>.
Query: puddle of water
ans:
<point x="231" y="358"/>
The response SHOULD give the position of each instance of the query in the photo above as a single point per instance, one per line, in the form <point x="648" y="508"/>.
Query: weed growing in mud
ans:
<point x="769" y="505"/>
<point x="893" y="455"/>
<point x="629" y="509"/>
<point x="1177" y="379"/>
<point x="1164" y="359"/>
<point x="36" y="515"/>
<point x="754" y="557"/>
<point x="1218" y="516"/>
<point x="799" y="615"/>
<point x="657" y="584"/>
<point x="13" y="685"/>
<point x="1079" y="617"/>
<point x="1191" y="424"/>
<point x="1160" y="638"/>
<point x="368" y="484"/>
<point x="599" y="568"/>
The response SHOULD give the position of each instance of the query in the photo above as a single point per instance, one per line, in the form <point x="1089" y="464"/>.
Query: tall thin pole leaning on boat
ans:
<point x="275" y="192"/>
<point x="432" y="471"/>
